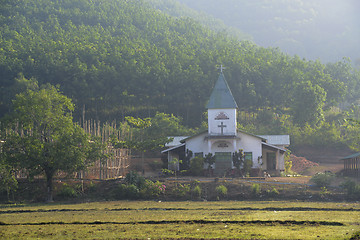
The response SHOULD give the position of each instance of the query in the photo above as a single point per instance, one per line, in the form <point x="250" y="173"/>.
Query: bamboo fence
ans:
<point x="115" y="166"/>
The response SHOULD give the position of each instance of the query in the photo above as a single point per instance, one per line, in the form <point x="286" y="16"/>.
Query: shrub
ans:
<point x="196" y="191"/>
<point x="131" y="191"/>
<point x="351" y="188"/>
<point x="135" y="179"/>
<point x="118" y="192"/>
<point x="91" y="188"/>
<point x="123" y="191"/>
<point x="181" y="190"/>
<point x="221" y="191"/>
<point x="152" y="190"/>
<point x="247" y="167"/>
<point x="67" y="191"/>
<point x="288" y="166"/>
<point x="8" y="181"/>
<point x="197" y="166"/>
<point x="323" y="179"/>
<point x="274" y="191"/>
<point x="167" y="172"/>
<point x="256" y="189"/>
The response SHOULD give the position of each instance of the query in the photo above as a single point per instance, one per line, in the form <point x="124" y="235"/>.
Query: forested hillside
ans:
<point x="120" y="58"/>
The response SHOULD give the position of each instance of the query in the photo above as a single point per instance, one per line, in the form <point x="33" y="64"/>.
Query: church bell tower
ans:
<point x="221" y="110"/>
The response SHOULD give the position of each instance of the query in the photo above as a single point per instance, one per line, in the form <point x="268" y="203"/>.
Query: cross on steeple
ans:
<point x="222" y="126"/>
<point x="221" y="68"/>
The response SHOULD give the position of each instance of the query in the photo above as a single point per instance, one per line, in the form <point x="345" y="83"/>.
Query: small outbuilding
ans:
<point x="352" y="165"/>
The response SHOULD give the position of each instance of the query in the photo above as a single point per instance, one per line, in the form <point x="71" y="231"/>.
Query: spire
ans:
<point x="221" y="96"/>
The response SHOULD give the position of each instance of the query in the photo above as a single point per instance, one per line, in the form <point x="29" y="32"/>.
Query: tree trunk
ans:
<point x="49" y="185"/>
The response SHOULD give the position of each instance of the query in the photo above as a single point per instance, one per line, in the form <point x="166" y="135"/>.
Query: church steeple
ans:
<point x="221" y="109"/>
<point x="221" y="96"/>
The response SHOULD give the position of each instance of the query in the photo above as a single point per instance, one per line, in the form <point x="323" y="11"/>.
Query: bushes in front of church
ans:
<point x="137" y="187"/>
<point x="197" y="166"/>
<point x="221" y="191"/>
<point x="196" y="192"/>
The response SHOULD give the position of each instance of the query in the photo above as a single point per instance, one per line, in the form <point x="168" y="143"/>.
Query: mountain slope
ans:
<point x="118" y="58"/>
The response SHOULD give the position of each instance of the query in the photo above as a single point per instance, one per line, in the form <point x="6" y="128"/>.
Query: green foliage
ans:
<point x="181" y="190"/>
<point x="186" y="161"/>
<point x="112" y="58"/>
<point x="167" y="172"/>
<point x="47" y="141"/>
<point x="248" y="163"/>
<point x="131" y="191"/>
<point x="308" y="104"/>
<point x="238" y="158"/>
<point x="197" y="166"/>
<point x="133" y="178"/>
<point x="139" y="187"/>
<point x="256" y="189"/>
<point x="324" y="192"/>
<point x="152" y="189"/>
<point x="66" y="191"/>
<point x="196" y="192"/>
<point x="125" y="191"/>
<point x="8" y="182"/>
<point x="352" y="189"/>
<point x="151" y="134"/>
<point x="323" y="179"/>
<point x="221" y="191"/>
<point x="209" y="160"/>
<point x="274" y="191"/>
<point x="288" y="166"/>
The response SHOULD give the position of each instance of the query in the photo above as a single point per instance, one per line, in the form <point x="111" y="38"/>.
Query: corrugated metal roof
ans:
<point x="221" y="96"/>
<point x="176" y="141"/>
<point x="172" y="148"/>
<point x="277" y="139"/>
<point x="274" y="147"/>
<point x="351" y="156"/>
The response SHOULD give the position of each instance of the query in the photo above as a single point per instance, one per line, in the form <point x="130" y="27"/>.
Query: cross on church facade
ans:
<point x="222" y="126"/>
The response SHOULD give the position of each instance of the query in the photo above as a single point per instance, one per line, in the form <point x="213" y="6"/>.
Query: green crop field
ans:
<point x="154" y="220"/>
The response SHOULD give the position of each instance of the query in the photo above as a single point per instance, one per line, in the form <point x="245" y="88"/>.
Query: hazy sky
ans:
<point x="315" y="29"/>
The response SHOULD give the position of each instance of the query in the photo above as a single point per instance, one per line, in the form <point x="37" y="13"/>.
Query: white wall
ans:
<point x="246" y="142"/>
<point x="252" y="144"/>
<point x="197" y="144"/>
<point x="213" y="124"/>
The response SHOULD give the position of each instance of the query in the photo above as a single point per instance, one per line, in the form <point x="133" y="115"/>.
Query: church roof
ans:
<point x="221" y="96"/>
<point x="277" y="139"/>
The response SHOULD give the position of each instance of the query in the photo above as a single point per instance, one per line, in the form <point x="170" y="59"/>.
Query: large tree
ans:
<point x="42" y="138"/>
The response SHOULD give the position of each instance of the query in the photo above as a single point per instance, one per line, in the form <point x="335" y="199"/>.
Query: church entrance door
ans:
<point x="223" y="162"/>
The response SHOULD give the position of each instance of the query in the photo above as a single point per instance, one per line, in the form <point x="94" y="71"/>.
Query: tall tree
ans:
<point x="42" y="138"/>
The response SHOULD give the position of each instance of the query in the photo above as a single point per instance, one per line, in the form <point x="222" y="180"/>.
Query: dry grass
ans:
<point x="140" y="219"/>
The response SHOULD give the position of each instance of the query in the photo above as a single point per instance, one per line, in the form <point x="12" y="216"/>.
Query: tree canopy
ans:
<point x="126" y="58"/>
<point x="121" y="58"/>
<point x="42" y="138"/>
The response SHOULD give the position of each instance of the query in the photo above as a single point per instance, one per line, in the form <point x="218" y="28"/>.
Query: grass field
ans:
<point x="153" y="220"/>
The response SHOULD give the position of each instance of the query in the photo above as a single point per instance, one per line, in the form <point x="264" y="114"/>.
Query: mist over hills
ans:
<point x="324" y="29"/>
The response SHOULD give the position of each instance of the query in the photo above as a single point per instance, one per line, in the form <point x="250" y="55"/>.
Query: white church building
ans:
<point x="223" y="138"/>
